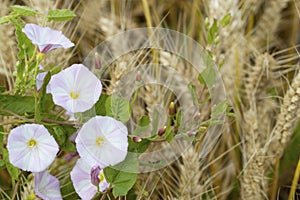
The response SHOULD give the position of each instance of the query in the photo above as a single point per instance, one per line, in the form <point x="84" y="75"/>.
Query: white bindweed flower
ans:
<point x="76" y="89"/>
<point x="46" y="186"/>
<point x="31" y="147"/>
<point x="87" y="180"/>
<point x="102" y="141"/>
<point x="46" y="38"/>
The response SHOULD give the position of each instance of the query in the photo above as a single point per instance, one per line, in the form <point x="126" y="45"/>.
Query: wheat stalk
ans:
<point x="285" y="121"/>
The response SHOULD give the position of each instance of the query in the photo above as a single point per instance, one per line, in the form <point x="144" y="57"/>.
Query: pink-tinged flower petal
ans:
<point x="31" y="147"/>
<point x="76" y="89"/>
<point x="102" y="141"/>
<point x="40" y="80"/>
<point x="46" y="186"/>
<point x="46" y="38"/>
<point x="81" y="178"/>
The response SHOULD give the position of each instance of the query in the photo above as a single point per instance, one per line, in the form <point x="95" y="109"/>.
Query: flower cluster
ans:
<point x="100" y="142"/>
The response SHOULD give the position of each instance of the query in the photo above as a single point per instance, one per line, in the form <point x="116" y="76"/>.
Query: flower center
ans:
<point x="99" y="141"/>
<point x="74" y="95"/>
<point x="32" y="143"/>
<point x="101" y="177"/>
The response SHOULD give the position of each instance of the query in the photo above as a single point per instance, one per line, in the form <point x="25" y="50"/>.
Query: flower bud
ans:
<point x="95" y="171"/>
<point x="172" y="108"/>
<point x="40" y="56"/>
<point x="97" y="61"/>
<point x="136" y="139"/>
<point x="202" y="129"/>
<point x="138" y="77"/>
<point x="161" y="131"/>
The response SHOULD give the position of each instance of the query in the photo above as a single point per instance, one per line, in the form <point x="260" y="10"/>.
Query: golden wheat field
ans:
<point x="223" y="74"/>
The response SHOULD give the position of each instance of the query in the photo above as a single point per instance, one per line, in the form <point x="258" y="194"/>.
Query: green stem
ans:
<point x="37" y="114"/>
<point x="295" y="182"/>
<point x="51" y="121"/>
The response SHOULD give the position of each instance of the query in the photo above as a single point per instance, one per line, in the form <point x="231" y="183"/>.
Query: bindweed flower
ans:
<point x="88" y="180"/>
<point x="102" y="141"/>
<point x="46" y="186"/>
<point x="76" y="89"/>
<point x="46" y="38"/>
<point x="31" y="147"/>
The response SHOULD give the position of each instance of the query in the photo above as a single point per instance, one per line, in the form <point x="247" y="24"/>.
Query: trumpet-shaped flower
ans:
<point x="76" y="89"/>
<point x="46" y="186"/>
<point x="46" y="38"/>
<point x="102" y="141"/>
<point x="88" y="180"/>
<point x="31" y="147"/>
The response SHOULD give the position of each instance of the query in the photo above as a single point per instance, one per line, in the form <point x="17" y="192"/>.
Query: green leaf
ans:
<point x="6" y="19"/>
<point x="178" y="118"/>
<point x="144" y="121"/>
<point x="24" y="44"/>
<point x="219" y="109"/>
<point x="12" y="170"/>
<point x="118" y="108"/>
<point x="192" y="90"/>
<point x="61" y="134"/>
<point x="60" y="15"/>
<point x="46" y="101"/>
<point x="99" y="106"/>
<point x="143" y="125"/>
<point x="67" y="188"/>
<point x="169" y="135"/>
<point x="155" y="122"/>
<point x="120" y="178"/>
<point x="138" y="147"/>
<point x="1" y="139"/>
<point x="2" y="163"/>
<point x="212" y="32"/>
<point x="23" y="10"/>
<point x="226" y="20"/>
<point x="16" y="104"/>
<point x="208" y="76"/>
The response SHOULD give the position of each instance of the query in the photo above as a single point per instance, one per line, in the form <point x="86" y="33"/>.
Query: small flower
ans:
<point x="88" y="180"/>
<point x="46" y="38"/>
<point x="102" y="141"/>
<point x="31" y="147"/>
<point x="46" y="186"/>
<point x="76" y="88"/>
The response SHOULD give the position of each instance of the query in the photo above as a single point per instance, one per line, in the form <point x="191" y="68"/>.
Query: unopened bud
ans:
<point x="197" y="117"/>
<point x="202" y="129"/>
<point x="172" y="108"/>
<point x="191" y="134"/>
<point x="206" y="22"/>
<point x="97" y="61"/>
<point x="138" y="77"/>
<point x="40" y="56"/>
<point x="161" y="131"/>
<point x="136" y="139"/>
<point x="95" y="171"/>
